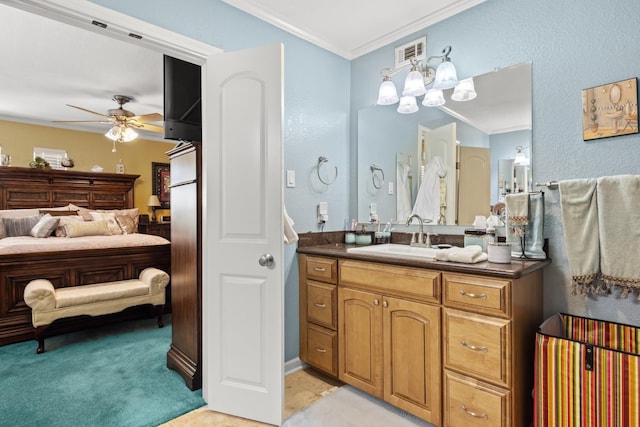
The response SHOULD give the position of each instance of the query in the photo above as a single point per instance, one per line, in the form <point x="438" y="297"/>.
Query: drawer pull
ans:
<point x="317" y="304"/>
<point x="473" y="414"/>
<point x="320" y="349"/>
<point x="474" y="347"/>
<point x="376" y="302"/>
<point x="320" y="269"/>
<point x="470" y="295"/>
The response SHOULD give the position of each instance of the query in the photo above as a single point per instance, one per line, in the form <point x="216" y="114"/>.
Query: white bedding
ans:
<point x="27" y="244"/>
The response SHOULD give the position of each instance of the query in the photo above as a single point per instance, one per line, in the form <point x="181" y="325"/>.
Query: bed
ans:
<point x="69" y="261"/>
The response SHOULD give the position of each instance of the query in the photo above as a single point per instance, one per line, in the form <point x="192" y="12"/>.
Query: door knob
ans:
<point x="266" y="260"/>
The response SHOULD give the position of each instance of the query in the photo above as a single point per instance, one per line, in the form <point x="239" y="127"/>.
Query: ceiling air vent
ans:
<point x="415" y="49"/>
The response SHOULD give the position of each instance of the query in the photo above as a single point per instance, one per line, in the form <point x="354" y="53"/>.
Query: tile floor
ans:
<point x="302" y="388"/>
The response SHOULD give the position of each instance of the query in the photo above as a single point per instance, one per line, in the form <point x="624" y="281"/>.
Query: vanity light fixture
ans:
<point x="425" y="80"/>
<point x="521" y="158"/>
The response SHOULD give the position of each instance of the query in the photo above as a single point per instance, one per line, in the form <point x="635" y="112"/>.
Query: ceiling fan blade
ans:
<point x="145" y="118"/>
<point x="88" y="111"/>
<point x="81" y="121"/>
<point x="152" y="128"/>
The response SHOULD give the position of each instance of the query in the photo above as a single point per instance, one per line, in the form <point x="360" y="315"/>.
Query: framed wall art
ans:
<point x="161" y="182"/>
<point x="610" y="110"/>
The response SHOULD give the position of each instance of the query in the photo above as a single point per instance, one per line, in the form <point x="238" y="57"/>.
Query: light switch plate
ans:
<point x="291" y="178"/>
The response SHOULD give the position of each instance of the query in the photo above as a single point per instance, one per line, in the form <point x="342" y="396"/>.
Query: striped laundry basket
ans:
<point x="587" y="373"/>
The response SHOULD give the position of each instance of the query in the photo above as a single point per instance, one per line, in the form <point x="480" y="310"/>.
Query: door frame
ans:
<point x="81" y="13"/>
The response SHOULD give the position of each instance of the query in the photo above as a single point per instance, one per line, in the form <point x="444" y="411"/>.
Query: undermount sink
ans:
<point x="396" y="251"/>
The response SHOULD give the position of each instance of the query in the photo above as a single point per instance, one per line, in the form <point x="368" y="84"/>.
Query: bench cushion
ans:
<point x="78" y="295"/>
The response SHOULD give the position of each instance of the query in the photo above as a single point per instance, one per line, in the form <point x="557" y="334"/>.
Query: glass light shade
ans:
<point x="121" y="133"/>
<point x="446" y="76"/>
<point x="521" y="159"/>
<point x="408" y="105"/>
<point x="387" y="94"/>
<point x="433" y="98"/>
<point x="414" y="84"/>
<point x="465" y="91"/>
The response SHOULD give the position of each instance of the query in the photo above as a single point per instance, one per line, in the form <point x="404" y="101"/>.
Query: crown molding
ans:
<point x="253" y="8"/>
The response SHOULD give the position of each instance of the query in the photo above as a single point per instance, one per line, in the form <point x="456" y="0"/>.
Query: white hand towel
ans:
<point x="619" y="229"/>
<point x="468" y="255"/>
<point x="290" y="235"/>
<point x="580" y="227"/>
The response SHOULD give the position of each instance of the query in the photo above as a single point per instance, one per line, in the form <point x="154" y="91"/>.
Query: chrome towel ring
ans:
<point x="322" y="160"/>
<point x="377" y="179"/>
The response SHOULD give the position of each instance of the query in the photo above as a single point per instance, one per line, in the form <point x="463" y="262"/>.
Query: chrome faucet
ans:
<point x="420" y="240"/>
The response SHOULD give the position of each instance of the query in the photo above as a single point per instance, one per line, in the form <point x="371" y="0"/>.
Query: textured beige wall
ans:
<point x="87" y="149"/>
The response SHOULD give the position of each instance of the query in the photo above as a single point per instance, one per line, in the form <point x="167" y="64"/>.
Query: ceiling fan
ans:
<point x="122" y="119"/>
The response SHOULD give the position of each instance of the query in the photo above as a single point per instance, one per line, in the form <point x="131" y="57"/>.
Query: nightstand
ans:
<point x="162" y="229"/>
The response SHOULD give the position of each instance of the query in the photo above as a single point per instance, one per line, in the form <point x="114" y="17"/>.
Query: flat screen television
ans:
<point x="182" y="100"/>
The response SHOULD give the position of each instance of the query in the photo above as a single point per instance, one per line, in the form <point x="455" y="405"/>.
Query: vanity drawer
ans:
<point x="323" y="269"/>
<point x="472" y="403"/>
<point x="322" y="304"/>
<point x="478" y="345"/>
<point x="322" y="349"/>
<point x="416" y="283"/>
<point x="479" y="294"/>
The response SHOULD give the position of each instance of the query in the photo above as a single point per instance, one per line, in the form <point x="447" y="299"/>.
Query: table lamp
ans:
<point x="153" y="203"/>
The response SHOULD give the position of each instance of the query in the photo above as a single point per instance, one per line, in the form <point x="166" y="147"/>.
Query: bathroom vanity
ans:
<point x="450" y="343"/>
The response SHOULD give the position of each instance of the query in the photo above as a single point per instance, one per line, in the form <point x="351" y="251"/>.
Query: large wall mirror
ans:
<point x="482" y="146"/>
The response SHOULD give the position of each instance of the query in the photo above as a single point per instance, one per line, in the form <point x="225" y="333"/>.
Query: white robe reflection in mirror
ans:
<point x="404" y="191"/>
<point x="428" y="199"/>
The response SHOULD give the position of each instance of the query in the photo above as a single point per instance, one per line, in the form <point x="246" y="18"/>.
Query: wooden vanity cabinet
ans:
<point x="389" y="334"/>
<point x="454" y="349"/>
<point x="318" y="313"/>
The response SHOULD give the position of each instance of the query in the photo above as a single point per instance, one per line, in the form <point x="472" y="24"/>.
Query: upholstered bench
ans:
<point x="49" y="304"/>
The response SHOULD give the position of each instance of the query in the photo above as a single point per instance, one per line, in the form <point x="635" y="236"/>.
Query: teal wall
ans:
<point x="572" y="45"/>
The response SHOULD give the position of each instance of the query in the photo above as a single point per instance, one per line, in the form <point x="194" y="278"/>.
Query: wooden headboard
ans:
<point x="24" y="188"/>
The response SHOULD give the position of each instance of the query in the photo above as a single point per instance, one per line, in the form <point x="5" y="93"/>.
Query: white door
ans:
<point x="243" y="343"/>
<point x="442" y="142"/>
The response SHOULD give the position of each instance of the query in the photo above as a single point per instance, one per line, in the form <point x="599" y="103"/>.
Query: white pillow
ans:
<point x="45" y="226"/>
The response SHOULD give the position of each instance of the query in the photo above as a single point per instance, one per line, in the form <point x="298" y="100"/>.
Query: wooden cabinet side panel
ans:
<point x="185" y="354"/>
<point x="302" y="306"/>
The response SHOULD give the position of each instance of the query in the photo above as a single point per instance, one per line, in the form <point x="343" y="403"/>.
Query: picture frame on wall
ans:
<point x="161" y="183"/>
<point x="610" y="110"/>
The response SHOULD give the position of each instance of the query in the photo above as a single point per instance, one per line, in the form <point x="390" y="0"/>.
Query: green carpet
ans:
<point x="109" y="376"/>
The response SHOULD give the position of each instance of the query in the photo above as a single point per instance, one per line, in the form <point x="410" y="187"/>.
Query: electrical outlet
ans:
<point x="323" y="212"/>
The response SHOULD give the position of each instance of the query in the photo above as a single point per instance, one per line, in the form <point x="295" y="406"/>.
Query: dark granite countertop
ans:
<point x="516" y="269"/>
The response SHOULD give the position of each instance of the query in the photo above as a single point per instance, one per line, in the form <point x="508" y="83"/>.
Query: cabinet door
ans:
<point x="360" y="332"/>
<point x="411" y="334"/>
